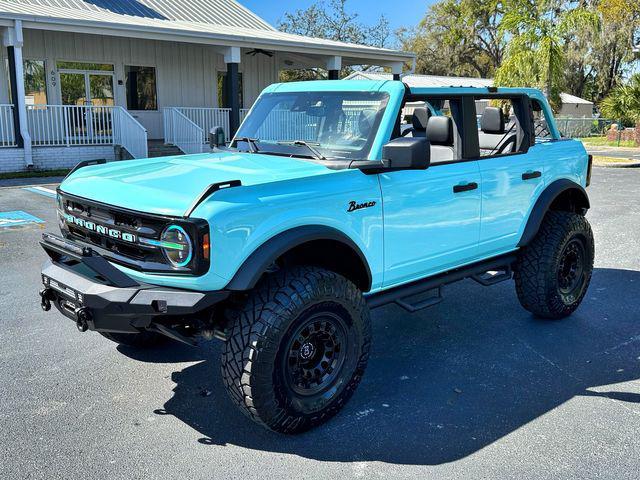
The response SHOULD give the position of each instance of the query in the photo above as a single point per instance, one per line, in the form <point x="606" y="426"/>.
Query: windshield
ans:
<point x="320" y="125"/>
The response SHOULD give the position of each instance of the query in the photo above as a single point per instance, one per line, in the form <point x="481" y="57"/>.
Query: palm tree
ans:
<point x="538" y="32"/>
<point x="623" y="103"/>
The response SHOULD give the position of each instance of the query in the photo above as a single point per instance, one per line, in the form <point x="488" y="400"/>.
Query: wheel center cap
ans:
<point x="307" y="350"/>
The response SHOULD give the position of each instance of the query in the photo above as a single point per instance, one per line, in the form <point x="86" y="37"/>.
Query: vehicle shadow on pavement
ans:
<point x="446" y="382"/>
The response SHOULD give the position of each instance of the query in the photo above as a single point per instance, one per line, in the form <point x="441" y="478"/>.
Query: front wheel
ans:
<point x="552" y="274"/>
<point x="298" y="348"/>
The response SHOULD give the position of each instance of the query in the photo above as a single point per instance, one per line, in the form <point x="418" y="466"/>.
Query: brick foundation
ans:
<point x="52" y="158"/>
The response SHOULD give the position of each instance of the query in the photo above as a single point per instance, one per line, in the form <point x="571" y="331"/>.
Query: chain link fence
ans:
<point x="583" y="127"/>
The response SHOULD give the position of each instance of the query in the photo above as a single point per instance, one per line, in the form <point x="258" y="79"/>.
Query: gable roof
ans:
<point x="217" y="12"/>
<point x="34" y="14"/>
<point x="568" y="98"/>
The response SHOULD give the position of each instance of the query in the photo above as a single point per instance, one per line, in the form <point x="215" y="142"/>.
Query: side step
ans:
<point x="487" y="272"/>
<point x="421" y="305"/>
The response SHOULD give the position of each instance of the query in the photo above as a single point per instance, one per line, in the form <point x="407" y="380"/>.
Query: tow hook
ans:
<point x="46" y="295"/>
<point x="82" y="319"/>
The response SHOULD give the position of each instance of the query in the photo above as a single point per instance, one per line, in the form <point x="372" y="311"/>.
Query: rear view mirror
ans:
<point x="316" y="111"/>
<point x="407" y="153"/>
<point x="216" y="137"/>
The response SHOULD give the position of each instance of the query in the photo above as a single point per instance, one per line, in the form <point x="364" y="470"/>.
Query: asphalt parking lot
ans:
<point x="474" y="387"/>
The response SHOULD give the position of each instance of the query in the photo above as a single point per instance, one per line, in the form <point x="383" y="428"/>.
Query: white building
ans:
<point x="85" y="76"/>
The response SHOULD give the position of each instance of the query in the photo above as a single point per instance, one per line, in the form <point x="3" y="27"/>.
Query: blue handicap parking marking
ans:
<point x="17" y="219"/>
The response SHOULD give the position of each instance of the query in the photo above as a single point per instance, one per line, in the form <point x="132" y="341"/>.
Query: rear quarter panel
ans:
<point x="564" y="158"/>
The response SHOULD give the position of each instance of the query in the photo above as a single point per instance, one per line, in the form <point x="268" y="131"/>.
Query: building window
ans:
<point x="222" y="88"/>
<point x="35" y="82"/>
<point x="141" y="88"/>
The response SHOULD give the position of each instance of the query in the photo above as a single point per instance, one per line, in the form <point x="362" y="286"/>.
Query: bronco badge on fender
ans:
<point x="353" y="206"/>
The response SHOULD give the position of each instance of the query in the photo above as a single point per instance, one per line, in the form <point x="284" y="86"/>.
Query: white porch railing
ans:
<point x="7" y="130"/>
<point x="129" y="133"/>
<point x="182" y="132"/>
<point x="205" y="118"/>
<point x="85" y="125"/>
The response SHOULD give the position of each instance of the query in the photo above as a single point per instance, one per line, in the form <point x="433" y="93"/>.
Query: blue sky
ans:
<point x="400" y="14"/>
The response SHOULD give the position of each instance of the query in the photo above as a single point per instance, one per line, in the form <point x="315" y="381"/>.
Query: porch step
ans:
<point x="159" y="149"/>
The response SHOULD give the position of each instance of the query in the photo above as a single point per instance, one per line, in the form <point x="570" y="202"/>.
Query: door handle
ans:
<point x="531" y="175"/>
<point x="465" y="187"/>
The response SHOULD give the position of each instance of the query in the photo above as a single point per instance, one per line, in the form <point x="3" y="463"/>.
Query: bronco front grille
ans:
<point x="115" y="232"/>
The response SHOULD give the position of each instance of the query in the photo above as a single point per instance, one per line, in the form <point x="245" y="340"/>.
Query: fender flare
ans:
<point x="263" y="257"/>
<point x="544" y="202"/>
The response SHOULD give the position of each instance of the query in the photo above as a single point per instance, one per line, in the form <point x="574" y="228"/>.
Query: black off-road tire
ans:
<point x="268" y="362"/>
<point x="136" y="340"/>
<point x="553" y="272"/>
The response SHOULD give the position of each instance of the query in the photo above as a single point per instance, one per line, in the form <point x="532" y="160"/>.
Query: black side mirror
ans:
<point x="407" y="153"/>
<point x="216" y="137"/>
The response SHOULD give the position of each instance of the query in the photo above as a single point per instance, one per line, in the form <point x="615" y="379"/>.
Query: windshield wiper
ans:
<point x="316" y="154"/>
<point x="253" y="148"/>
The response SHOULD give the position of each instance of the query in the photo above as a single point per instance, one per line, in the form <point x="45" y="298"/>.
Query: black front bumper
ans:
<point x="86" y="288"/>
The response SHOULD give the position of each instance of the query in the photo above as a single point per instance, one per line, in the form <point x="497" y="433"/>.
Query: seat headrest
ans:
<point x="440" y="130"/>
<point x="492" y="120"/>
<point x="420" y="118"/>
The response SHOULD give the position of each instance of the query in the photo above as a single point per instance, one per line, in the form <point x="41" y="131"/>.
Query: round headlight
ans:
<point x="176" y="246"/>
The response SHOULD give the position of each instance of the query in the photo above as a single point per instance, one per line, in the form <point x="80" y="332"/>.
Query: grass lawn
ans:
<point x="599" y="161"/>
<point x="35" y="174"/>
<point x="603" y="142"/>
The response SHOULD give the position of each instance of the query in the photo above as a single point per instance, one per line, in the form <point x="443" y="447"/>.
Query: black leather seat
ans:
<point x="493" y="137"/>
<point x="439" y="132"/>
<point x="419" y="120"/>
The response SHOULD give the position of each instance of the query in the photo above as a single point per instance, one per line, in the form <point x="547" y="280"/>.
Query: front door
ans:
<point x="431" y="219"/>
<point x="82" y="89"/>
<point x="86" y="88"/>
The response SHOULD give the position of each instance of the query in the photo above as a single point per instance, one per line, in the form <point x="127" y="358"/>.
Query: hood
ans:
<point x="169" y="185"/>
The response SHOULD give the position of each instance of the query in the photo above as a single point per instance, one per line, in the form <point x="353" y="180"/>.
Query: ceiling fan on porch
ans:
<point x="257" y="51"/>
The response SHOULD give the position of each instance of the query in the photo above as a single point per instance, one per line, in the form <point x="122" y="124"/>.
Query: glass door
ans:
<point x="82" y="89"/>
<point x="74" y="94"/>
<point x="102" y="100"/>
<point x="73" y="88"/>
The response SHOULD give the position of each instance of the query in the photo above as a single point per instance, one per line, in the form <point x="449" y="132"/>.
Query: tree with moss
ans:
<point x="458" y="37"/>
<point x="332" y="20"/>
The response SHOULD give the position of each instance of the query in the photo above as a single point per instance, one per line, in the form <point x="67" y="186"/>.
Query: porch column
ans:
<point x="334" y="65"/>
<point x="14" y="41"/>
<point x="396" y="69"/>
<point x="232" y="59"/>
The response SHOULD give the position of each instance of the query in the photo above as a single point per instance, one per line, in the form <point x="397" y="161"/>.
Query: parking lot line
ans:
<point x="47" y="192"/>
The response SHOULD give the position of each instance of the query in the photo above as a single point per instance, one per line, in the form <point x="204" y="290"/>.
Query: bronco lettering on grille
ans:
<point x="100" y="229"/>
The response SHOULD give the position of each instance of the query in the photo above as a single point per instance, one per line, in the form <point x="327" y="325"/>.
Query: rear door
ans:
<point x="512" y="173"/>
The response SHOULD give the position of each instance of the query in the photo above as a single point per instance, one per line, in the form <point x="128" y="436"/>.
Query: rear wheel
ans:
<point x="298" y="348"/>
<point x="136" y="340"/>
<point x="553" y="273"/>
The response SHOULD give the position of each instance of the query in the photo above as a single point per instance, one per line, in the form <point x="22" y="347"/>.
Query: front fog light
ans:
<point x="176" y="246"/>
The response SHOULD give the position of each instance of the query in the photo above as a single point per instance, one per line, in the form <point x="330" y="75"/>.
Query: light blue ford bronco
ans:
<point x="333" y="198"/>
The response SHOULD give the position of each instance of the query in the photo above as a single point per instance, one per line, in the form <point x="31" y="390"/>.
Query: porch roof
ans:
<point x="104" y="22"/>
